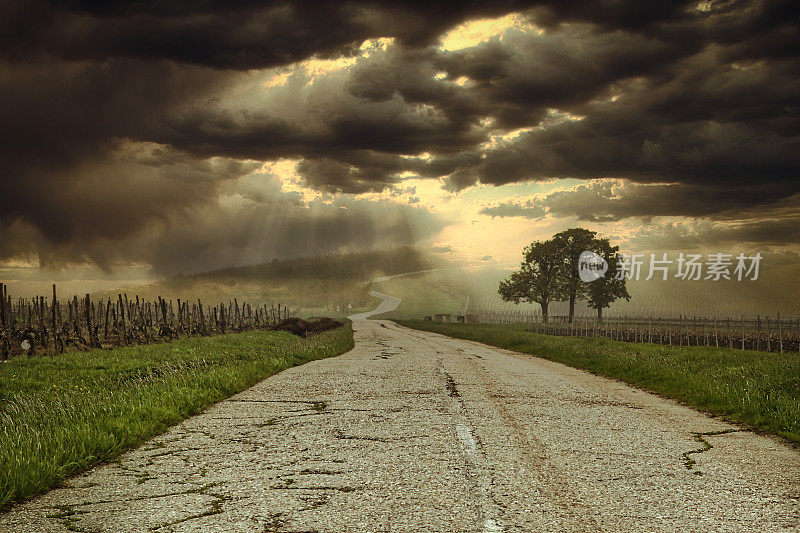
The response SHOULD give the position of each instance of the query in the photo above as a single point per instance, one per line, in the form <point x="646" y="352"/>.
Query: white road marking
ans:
<point x="468" y="441"/>
<point x="482" y="478"/>
<point x="490" y="526"/>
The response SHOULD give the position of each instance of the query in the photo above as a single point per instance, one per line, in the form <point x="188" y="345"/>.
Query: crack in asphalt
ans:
<point x="451" y="387"/>
<point x="700" y="437"/>
<point x="215" y="507"/>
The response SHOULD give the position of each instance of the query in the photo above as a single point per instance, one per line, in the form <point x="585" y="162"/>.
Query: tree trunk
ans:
<point x="544" y="311"/>
<point x="571" y="307"/>
<point x="599" y="314"/>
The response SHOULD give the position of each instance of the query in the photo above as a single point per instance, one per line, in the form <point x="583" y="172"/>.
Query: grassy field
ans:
<point x="757" y="389"/>
<point x="62" y="414"/>
<point x="425" y="293"/>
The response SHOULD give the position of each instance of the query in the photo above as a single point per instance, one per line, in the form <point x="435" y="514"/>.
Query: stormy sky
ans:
<point x="185" y="136"/>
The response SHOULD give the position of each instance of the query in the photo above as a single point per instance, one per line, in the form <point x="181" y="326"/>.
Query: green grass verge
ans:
<point x="62" y="414"/>
<point x="758" y="389"/>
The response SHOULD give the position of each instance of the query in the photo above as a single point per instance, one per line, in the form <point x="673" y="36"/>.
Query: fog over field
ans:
<point x="468" y="289"/>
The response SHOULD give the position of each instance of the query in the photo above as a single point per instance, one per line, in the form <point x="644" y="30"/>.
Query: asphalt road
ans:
<point x="412" y="431"/>
<point x="388" y="303"/>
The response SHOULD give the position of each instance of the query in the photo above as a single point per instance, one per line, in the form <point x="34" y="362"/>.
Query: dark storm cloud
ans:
<point x="332" y="176"/>
<point x="67" y="166"/>
<point x="249" y="220"/>
<point x="781" y="231"/>
<point x="223" y="34"/>
<point x="123" y="117"/>
<point x="528" y="209"/>
<point x="720" y="216"/>
<point x="673" y="99"/>
<point x="698" y="120"/>
<point x="522" y="76"/>
<point x="83" y="90"/>
<point x="115" y="201"/>
<point x="737" y="127"/>
<point x="613" y="200"/>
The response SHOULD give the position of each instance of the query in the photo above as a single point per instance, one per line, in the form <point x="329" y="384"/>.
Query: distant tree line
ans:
<point x="361" y="266"/>
<point x="550" y="273"/>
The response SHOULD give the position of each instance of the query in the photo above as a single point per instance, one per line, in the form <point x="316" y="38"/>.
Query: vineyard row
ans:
<point x="48" y="325"/>
<point x="762" y="334"/>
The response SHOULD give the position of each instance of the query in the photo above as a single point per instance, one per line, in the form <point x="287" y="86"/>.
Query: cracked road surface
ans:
<point x="412" y="431"/>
